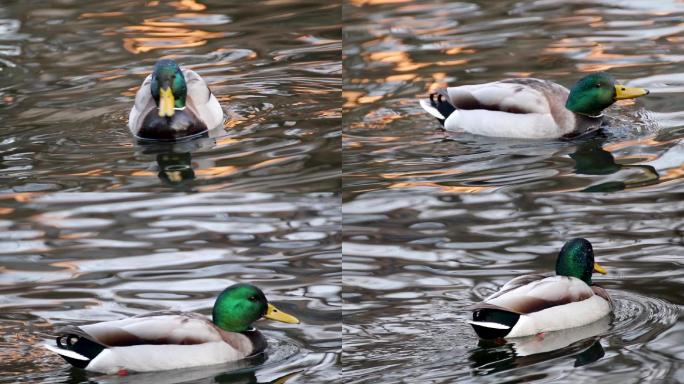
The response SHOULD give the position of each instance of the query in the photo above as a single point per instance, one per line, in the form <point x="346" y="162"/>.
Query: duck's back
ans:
<point x="534" y="293"/>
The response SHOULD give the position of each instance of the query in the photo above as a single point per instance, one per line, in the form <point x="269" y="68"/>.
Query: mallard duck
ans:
<point x="532" y="304"/>
<point x="527" y="108"/>
<point x="172" y="340"/>
<point x="173" y="103"/>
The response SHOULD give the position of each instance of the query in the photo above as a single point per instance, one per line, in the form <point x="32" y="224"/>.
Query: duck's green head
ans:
<point x="239" y="305"/>
<point x="168" y="87"/>
<point x="598" y="91"/>
<point x="576" y="259"/>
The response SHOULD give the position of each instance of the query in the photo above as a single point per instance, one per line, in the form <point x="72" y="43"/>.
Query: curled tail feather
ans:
<point x="438" y="105"/>
<point x="76" y="347"/>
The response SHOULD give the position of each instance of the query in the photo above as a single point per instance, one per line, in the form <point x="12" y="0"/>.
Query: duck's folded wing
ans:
<point x="601" y="292"/>
<point x="202" y="101"/>
<point x="143" y="104"/>
<point x="518" y="96"/>
<point x="540" y="294"/>
<point x="519" y="281"/>
<point x="184" y="329"/>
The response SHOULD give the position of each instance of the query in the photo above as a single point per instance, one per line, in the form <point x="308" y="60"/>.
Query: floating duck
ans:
<point x="527" y="108"/>
<point x="172" y="340"/>
<point x="533" y="304"/>
<point x="173" y="103"/>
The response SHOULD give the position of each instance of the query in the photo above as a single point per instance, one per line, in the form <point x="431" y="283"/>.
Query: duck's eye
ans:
<point x="598" y="85"/>
<point x="252" y="298"/>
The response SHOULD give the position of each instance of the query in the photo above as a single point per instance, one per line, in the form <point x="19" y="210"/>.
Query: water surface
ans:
<point x="69" y="71"/>
<point x="397" y="51"/>
<point x="84" y="258"/>
<point x="414" y="262"/>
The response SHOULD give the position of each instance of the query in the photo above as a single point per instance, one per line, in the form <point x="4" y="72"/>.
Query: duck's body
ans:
<point x="532" y="304"/>
<point x="526" y="107"/>
<point x="188" y="107"/>
<point x="154" y="342"/>
<point x="172" y="340"/>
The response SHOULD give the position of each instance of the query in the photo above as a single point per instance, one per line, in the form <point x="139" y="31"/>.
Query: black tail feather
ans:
<point x="442" y="103"/>
<point x="494" y="316"/>
<point x="74" y="339"/>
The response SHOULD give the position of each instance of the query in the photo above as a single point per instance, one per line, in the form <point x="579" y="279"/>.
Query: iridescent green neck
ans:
<point x="592" y="94"/>
<point x="167" y="74"/>
<point x="576" y="259"/>
<point x="238" y="306"/>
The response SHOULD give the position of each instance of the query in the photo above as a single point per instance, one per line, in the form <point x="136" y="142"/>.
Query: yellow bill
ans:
<point x="273" y="313"/>
<point x="166" y="102"/>
<point x="622" y="92"/>
<point x="599" y="269"/>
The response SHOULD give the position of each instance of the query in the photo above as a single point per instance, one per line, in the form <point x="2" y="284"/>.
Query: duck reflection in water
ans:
<point x="174" y="160"/>
<point x="581" y="344"/>
<point x="593" y="160"/>
<point x="175" y="168"/>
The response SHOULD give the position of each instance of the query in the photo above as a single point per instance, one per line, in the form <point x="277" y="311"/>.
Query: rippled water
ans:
<point x="69" y="71"/>
<point x="414" y="262"/>
<point x="82" y="258"/>
<point x="397" y="51"/>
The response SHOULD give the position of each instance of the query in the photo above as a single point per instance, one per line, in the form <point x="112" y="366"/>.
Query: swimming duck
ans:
<point x="532" y="304"/>
<point x="173" y="103"/>
<point x="527" y="107"/>
<point x="172" y="340"/>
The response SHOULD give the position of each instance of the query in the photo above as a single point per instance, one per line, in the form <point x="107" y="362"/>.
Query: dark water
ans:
<point x="69" y="70"/>
<point x="396" y="51"/>
<point x="81" y="258"/>
<point x="414" y="262"/>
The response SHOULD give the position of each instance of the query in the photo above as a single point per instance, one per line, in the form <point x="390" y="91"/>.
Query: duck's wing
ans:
<point x="179" y="328"/>
<point x="144" y="103"/>
<point x="537" y="294"/>
<point x="527" y="107"/>
<point x="201" y="100"/>
<point x="601" y="292"/>
<point x="518" y="282"/>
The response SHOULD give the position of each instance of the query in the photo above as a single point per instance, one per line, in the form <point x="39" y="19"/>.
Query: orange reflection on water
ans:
<point x="649" y="141"/>
<point x="438" y="172"/>
<point x="22" y="197"/>
<point x="164" y="37"/>
<point x="672" y="174"/>
<point x="459" y="50"/>
<point x="368" y="99"/>
<point x="189" y="5"/>
<point x="143" y="173"/>
<point x="158" y="33"/>
<point x="351" y="98"/>
<point x="217" y="171"/>
<point x="605" y="61"/>
<point x="401" y="59"/>
<point x="88" y="15"/>
<point x="442" y="188"/>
